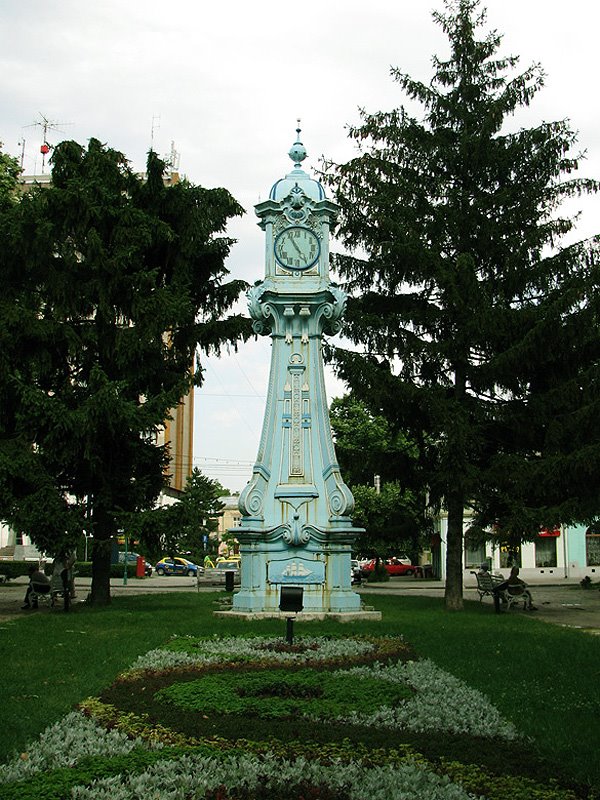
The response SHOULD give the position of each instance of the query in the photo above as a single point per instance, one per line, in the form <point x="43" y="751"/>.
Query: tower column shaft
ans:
<point x="296" y="527"/>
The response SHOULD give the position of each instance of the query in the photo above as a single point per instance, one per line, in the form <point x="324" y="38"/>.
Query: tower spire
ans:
<point x="297" y="151"/>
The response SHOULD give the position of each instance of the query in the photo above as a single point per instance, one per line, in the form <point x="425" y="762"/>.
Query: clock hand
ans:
<point x="296" y="248"/>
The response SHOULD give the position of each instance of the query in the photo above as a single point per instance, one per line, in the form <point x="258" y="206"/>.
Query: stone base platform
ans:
<point x="305" y="616"/>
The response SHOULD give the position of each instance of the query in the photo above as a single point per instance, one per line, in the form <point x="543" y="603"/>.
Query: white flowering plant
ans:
<point x="405" y="696"/>
<point x="187" y="651"/>
<point x="196" y="777"/>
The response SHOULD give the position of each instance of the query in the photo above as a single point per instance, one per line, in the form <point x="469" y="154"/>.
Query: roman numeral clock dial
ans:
<point x="297" y="248"/>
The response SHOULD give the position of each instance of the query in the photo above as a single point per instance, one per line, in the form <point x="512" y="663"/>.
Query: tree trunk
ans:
<point x="454" y="553"/>
<point x="100" y="593"/>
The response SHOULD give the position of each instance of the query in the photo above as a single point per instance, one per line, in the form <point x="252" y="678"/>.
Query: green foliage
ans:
<point x="179" y="528"/>
<point x="473" y="329"/>
<point x="300" y="790"/>
<point x="497" y="787"/>
<point x="57" y="784"/>
<point x="83" y="569"/>
<point x="492" y="764"/>
<point x="111" y="284"/>
<point x="366" y="446"/>
<point x="14" y="569"/>
<point x="379" y="574"/>
<point x="274" y="693"/>
<point x="9" y="175"/>
<point x="390" y="517"/>
<point x="80" y="653"/>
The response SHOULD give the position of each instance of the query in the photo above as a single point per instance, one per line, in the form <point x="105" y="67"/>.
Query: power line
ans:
<point x="231" y="394"/>
<point x="224" y="460"/>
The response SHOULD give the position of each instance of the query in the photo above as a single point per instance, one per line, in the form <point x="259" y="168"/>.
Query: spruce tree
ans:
<point x="457" y="277"/>
<point x="111" y="284"/>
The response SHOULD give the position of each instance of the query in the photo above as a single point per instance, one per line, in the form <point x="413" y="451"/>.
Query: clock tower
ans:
<point x="296" y="527"/>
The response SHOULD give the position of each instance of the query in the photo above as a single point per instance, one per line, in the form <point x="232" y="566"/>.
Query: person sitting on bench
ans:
<point x="39" y="583"/>
<point x="514" y="580"/>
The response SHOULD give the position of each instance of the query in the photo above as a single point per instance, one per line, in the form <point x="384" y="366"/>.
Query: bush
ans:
<point x="82" y="569"/>
<point x="378" y="574"/>
<point x="14" y="569"/>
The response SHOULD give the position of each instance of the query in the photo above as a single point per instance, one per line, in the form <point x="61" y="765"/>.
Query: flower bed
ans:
<point x="351" y="718"/>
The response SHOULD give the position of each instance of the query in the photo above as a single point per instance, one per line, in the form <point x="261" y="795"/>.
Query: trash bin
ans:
<point x="140" y="567"/>
<point x="229" y="576"/>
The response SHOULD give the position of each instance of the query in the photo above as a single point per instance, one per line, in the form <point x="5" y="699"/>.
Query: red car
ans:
<point x="392" y="567"/>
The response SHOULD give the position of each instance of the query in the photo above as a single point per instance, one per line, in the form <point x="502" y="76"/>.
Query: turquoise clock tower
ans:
<point x="296" y="527"/>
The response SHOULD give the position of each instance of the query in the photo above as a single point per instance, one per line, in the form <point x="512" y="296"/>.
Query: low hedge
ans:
<point x="83" y="569"/>
<point x="14" y="569"/>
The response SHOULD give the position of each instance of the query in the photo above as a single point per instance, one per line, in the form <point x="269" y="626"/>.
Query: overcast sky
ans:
<point x="225" y="81"/>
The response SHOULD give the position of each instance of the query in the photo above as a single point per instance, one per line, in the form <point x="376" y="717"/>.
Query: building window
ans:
<point x="510" y="557"/>
<point x="474" y="554"/>
<point x="592" y="547"/>
<point x="545" y="551"/>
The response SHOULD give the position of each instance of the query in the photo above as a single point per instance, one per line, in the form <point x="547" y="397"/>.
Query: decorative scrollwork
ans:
<point x="336" y="501"/>
<point x="341" y="501"/>
<point x="251" y="501"/>
<point x="254" y="300"/>
<point x="295" y="534"/>
<point x="331" y="313"/>
<point x="261" y="312"/>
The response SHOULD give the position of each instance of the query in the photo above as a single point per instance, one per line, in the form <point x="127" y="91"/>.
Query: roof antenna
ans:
<point x="155" y="126"/>
<point x="46" y="125"/>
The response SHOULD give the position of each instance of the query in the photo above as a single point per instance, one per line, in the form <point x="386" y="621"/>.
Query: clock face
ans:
<point x="297" y="248"/>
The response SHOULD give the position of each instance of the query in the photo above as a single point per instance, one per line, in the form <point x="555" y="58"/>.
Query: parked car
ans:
<point x="392" y="566"/>
<point x="217" y="573"/>
<point x="402" y="559"/>
<point x="227" y="564"/>
<point x="178" y="566"/>
<point x="355" y="571"/>
<point x="132" y="559"/>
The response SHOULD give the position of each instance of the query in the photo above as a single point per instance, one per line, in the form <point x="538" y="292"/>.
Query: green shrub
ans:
<point x="57" y="784"/>
<point x="14" y="569"/>
<point x="83" y="569"/>
<point x="277" y="693"/>
<point x="378" y="574"/>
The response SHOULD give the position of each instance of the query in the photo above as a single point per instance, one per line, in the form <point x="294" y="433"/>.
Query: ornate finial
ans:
<point x="297" y="152"/>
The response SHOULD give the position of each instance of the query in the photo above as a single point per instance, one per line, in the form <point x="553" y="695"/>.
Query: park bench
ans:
<point x="488" y="583"/>
<point x="58" y="588"/>
<point x="40" y="592"/>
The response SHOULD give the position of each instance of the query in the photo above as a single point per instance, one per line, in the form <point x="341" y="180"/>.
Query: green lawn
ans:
<point x="544" y="678"/>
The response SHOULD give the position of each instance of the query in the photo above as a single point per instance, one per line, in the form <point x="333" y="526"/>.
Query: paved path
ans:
<point x="564" y="603"/>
